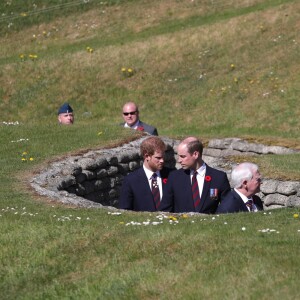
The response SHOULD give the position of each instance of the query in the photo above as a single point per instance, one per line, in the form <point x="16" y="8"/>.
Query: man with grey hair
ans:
<point x="246" y="180"/>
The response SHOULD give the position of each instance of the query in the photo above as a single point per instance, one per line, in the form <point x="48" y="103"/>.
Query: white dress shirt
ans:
<point x="134" y="126"/>
<point x="200" y="177"/>
<point x="149" y="174"/>
<point x="245" y="199"/>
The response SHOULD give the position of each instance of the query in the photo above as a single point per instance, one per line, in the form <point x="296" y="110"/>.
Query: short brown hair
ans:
<point x="193" y="146"/>
<point x="152" y="144"/>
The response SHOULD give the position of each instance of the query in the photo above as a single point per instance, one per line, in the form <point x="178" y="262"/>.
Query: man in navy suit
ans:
<point x="131" y="118"/>
<point x="246" y="181"/>
<point x="196" y="187"/>
<point x="142" y="189"/>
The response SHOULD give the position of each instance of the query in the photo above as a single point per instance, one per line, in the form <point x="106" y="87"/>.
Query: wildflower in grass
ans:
<point x="184" y="216"/>
<point x="243" y="228"/>
<point x="296" y="216"/>
<point x="24" y="153"/>
<point x="235" y="79"/>
<point x="127" y="72"/>
<point x="32" y="56"/>
<point x="99" y="133"/>
<point x="23" y="14"/>
<point x="232" y="66"/>
<point x="31" y="159"/>
<point x="22" y="56"/>
<point x="89" y="49"/>
<point x="24" y="159"/>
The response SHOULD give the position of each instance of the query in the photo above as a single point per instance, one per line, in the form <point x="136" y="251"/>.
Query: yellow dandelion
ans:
<point x="99" y="133"/>
<point x="235" y="80"/>
<point x="123" y="69"/>
<point x="21" y="56"/>
<point x="32" y="56"/>
<point x="23" y="14"/>
<point x="24" y="159"/>
<point x="129" y="70"/>
<point x="296" y="216"/>
<point x="31" y="159"/>
<point x="24" y="153"/>
<point x="44" y="32"/>
<point x="232" y="66"/>
<point x="184" y="216"/>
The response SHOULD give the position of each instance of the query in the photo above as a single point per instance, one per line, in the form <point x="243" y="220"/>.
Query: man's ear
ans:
<point x="196" y="154"/>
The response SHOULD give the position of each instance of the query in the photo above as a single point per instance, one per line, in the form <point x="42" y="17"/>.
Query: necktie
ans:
<point x="155" y="190"/>
<point x="195" y="192"/>
<point x="249" y="204"/>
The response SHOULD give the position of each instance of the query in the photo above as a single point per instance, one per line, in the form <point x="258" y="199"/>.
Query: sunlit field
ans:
<point x="211" y="69"/>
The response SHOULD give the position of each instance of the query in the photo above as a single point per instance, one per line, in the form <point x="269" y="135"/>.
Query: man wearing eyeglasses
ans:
<point x="246" y="181"/>
<point x="131" y="118"/>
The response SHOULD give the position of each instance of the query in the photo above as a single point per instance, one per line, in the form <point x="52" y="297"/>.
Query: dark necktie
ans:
<point x="249" y="204"/>
<point x="155" y="190"/>
<point x="195" y="192"/>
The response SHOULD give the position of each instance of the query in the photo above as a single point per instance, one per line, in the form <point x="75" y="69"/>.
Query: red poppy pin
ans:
<point x="207" y="178"/>
<point x="165" y="180"/>
<point x="140" y="128"/>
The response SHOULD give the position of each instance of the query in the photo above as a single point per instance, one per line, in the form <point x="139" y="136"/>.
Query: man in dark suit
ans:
<point x="131" y="118"/>
<point x="142" y="189"/>
<point x="246" y="181"/>
<point x="196" y="187"/>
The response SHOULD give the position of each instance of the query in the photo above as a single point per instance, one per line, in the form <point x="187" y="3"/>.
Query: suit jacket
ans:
<point x="136" y="193"/>
<point x="232" y="202"/>
<point x="178" y="196"/>
<point x="146" y="128"/>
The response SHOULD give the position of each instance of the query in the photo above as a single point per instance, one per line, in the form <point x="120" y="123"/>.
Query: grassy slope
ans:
<point x="44" y="257"/>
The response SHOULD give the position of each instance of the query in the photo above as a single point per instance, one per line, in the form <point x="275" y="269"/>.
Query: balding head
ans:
<point x="130" y="113"/>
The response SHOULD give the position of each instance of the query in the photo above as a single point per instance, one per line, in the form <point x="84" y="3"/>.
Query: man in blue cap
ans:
<point x="65" y="114"/>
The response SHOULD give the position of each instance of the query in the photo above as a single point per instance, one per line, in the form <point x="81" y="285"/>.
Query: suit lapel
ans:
<point x="240" y="201"/>
<point x="144" y="184"/>
<point x="187" y="189"/>
<point x="206" y="187"/>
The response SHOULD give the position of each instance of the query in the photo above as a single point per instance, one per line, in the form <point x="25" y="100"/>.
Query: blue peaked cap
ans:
<point x="65" y="108"/>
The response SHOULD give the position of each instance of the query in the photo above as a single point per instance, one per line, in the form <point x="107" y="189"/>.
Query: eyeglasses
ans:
<point x="132" y="113"/>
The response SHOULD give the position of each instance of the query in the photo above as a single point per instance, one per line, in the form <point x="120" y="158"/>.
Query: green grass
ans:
<point x="181" y="52"/>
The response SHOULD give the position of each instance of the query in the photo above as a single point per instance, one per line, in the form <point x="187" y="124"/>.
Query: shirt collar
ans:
<point x="149" y="173"/>
<point x="201" y="171"/>
<point x="134" y="126"/>
<point x="244" y="198"/>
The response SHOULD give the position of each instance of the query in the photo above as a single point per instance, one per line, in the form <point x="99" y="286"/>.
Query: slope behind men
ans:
<point x="196" y="187"/>
<point x="142" y="189"/>
<point x="246" y="181"/>
<point x="131" y="118"/>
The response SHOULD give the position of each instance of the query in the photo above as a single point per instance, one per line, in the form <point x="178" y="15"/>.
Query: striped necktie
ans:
<point x="155" y="190"/>
<point x="195" y="192"/>
<point x="249" y="204"/>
